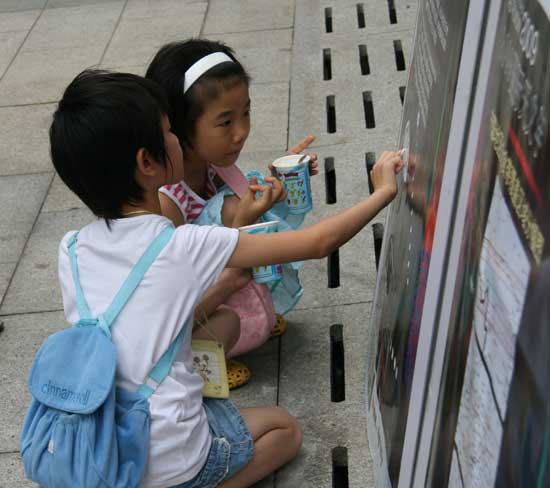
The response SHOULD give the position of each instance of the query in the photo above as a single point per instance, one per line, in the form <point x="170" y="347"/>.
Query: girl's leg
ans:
<point x="277" y="439"/>
<point x="224" y="324"/>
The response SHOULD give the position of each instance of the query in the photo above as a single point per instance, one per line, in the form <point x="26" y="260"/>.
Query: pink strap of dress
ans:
<point x="234" y="178"/>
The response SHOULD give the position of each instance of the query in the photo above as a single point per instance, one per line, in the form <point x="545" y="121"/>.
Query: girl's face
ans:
<point x="223" y="128"/>
<point x="174" y="163"/>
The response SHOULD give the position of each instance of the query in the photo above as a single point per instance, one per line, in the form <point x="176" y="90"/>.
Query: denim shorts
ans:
<point x="232" y="445"/>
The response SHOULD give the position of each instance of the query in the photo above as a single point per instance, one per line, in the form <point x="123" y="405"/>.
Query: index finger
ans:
<point x="300" y="146"/>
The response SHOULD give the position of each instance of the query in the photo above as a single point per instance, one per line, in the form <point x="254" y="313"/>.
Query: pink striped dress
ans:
<point x="189" y="203"/>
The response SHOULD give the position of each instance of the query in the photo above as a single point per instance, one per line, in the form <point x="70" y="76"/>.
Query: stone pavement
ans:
<point x="332" y="68"/>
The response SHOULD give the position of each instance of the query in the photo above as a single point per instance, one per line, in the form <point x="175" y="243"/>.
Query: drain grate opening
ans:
<point x="328" y="19"/>
<point x="370" y="160"/>
<point x="330" y="181"/>
<point x="402" y="91"/>
<point x="360" y="16"/>
<point x="378" y="234"/>
<point x="369" y="110"/>
<point x="333" y="269"/>
<point x="331" y="114"/>
<point x="340" y="478"/>
<point x="392" y="12"/>
<point x="337" y="364"/>
<point x="399" y="56"/>
<point x="327" y="65"/>
<point x="364" y="60"/>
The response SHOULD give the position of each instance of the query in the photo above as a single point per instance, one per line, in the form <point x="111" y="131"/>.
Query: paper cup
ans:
<point x="272" y="272"/>
<point x="294" y="174"/>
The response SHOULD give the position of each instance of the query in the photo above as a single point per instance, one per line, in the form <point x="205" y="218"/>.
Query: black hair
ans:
<point x="168" y="70"/>
<point x="101" y="122"/>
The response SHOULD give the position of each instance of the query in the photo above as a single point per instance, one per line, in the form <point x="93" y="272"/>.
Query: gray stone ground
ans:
<point x="44" y="44"/>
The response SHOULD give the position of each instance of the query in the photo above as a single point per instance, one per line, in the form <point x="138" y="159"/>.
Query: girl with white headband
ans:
<point x="210" y="113"/>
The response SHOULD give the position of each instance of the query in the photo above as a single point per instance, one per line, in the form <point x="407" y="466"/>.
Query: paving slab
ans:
<point x="265" y="54"/>
<point x="74" y="27"/>
<point x="34" y="287"/>
<point x="24" y="145"/>
<point x="17" y="21"/>
<point x="6" y="272"/>
<point x="60" y="198"/>
<point x="42" y="76"/>
<point x="11" y="472"/>
<point x="269" y="102"/>
<point x="248" y="15"/>
<point x="20" y="200"/>
<point x="152" y="9"/>
<point x="9" y="44"/>
<point x="137" y="39"/>
<point x="21" y="338"/>
<point x="76" y="3"/>
<point x="306" y="392"/>
<point x="20" y="5"/>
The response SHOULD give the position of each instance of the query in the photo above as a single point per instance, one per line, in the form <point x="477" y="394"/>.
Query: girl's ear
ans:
<point x="145" y="164"/>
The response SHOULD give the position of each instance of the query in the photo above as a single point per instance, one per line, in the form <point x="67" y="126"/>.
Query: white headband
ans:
<point x="202" y="66"/>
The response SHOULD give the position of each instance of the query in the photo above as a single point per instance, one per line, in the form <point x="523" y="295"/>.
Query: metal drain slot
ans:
<point x="378" y="234"/>
<point x="369" y="110"/>
<point x="330" y="181"/>
<point x="360" y="16"/>
<point x="370" y="160"/>
<point x="392" y="12"/>
<point x="340" y="478"/>
<point x="337" y="364"/>
<point x="333" y="269"/>
<point x="331" y="114"/>
<point x="364" y="60"/>
<point x="327" y="65"/>
<point x="328" y="19"/>
<point x="399" y="56"/>
<point x="402" y="90"/>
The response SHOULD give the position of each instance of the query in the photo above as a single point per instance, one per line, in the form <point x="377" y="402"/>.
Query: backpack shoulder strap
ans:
<point x="81" y="304"/>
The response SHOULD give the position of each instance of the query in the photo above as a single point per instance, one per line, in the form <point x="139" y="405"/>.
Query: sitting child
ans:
<point x="112" y="144"/>
<point x="207" y="89"/>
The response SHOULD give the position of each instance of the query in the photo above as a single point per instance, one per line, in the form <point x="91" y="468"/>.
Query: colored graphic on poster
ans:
<point x="409" y="233"/>
<point x="493" y="420"/>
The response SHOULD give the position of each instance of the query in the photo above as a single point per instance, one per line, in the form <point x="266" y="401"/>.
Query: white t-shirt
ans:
<point x="166" y="298"/>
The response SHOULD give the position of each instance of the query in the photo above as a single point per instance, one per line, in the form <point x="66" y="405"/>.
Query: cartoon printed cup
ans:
<point x="272" y="272"/>
<point x="293" y="171"/>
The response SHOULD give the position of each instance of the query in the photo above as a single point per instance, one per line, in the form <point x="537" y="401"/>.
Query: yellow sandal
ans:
<point x="280" y="326"/>
<point x="238" y="374"/>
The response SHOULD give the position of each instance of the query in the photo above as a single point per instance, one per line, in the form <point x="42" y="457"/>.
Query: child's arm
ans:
<point x="320" y="239"/>
<point x="170" y="210"/>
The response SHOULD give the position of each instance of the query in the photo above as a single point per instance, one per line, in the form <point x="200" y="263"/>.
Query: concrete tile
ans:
<point x="261" y="390"/>
<point x="147" y="9"/>
<point x="9" y="44"/>
<point x="11" y="472"/>
<point x="269" y="117"/>
<point x="24" y="145"/>
<point x="136" y="70"/>
<point x="265" y="55"/>
<point x="74" y="27"/>
<point x="137" y="39"/>
<point x="20" y="200"/>
<point x="6" y="272"/>
<point x="34" y="287"/>
<point x="20" y="5"/>
<point x="60" y="198"/>
<point x="305" y="391"/>
<point x="18" y="21"/>
<point x="224" y="16"/>
<point x="42" y="76"/>
<point x="21" y="338"/>
<point x="76" y="3"/>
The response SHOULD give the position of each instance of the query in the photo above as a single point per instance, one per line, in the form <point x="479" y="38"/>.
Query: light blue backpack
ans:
<point x="81" y="430"/>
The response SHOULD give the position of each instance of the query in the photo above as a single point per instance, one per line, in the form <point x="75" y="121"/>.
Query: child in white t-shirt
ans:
<point x="111" y="144"/>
